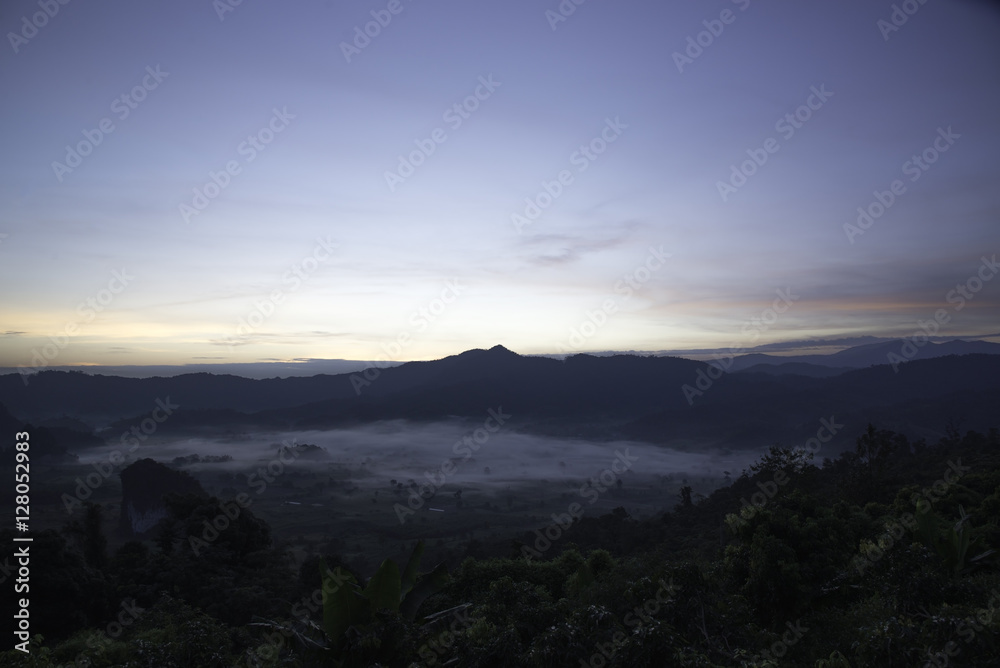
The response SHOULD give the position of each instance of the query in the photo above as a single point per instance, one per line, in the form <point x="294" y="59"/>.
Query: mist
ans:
<point x="452" y="454"/>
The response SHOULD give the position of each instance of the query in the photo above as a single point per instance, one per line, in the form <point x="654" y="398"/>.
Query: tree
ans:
<point x="90" y="537"/>
<point x="872" y="452"/>
<point x="782" y="459"/>
<point x="166" y="535"/>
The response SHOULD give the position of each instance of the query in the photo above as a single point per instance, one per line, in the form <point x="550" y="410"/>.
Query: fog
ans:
<point x="454" y="453"/>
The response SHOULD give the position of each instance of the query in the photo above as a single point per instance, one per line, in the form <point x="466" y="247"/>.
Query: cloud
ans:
<point x="552" y="249"/>
<point x="283" y="338"/>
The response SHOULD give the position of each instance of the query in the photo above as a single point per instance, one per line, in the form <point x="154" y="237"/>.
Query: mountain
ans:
<point x="9" y="425"/>
<point x="52" y="443"/>
<point x="53" y="394"/>
<point x="796" y="369"/>
<point x="920" y="399"/>
<point x="308" y="367"/>
<point x="547" y="393"/>
<point x="459" y="384"/>
<point x="867" y="355"/>
<point x="654" y="399"/>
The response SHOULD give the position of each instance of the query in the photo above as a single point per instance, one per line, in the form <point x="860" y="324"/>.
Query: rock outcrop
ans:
<point x="144" y="484"/>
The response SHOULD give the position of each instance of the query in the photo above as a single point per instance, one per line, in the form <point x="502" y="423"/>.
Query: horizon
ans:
<point x="315" y="367"/>
<point x="278" y="186"/>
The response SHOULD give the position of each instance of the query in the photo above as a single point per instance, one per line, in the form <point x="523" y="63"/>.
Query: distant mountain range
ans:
<point x="303" y="367"/>
<point x="668" y="400"/>
<point x="865" y="347"/>
<point x="857" y="357"/>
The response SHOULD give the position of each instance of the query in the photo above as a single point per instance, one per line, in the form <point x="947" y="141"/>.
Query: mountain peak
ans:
<point x="497" y="353"/>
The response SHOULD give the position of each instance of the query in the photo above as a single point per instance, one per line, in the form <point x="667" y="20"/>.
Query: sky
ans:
<point x="213" y="182"/>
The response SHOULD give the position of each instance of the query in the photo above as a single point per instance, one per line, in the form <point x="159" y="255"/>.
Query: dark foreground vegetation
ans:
<point x="883" y="556"/>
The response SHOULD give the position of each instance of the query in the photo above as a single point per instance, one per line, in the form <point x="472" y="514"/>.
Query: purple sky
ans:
<point x="573" y="184"/>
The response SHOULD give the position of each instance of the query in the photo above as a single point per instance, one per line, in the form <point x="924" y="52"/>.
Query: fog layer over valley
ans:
<point x="394" y="460"/>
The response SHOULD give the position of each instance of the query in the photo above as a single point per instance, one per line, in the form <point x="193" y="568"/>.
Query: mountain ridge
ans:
<point x="650" y="398"/>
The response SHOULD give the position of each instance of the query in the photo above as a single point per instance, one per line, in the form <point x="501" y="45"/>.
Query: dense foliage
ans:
<point x="883" y="556"/>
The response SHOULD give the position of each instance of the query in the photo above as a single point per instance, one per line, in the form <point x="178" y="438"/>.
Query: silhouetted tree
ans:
<point x="166" y="534"/>
<point x="90" y="535"/>
<point x="872" y="452"/>
<point x="782" y="459"/>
